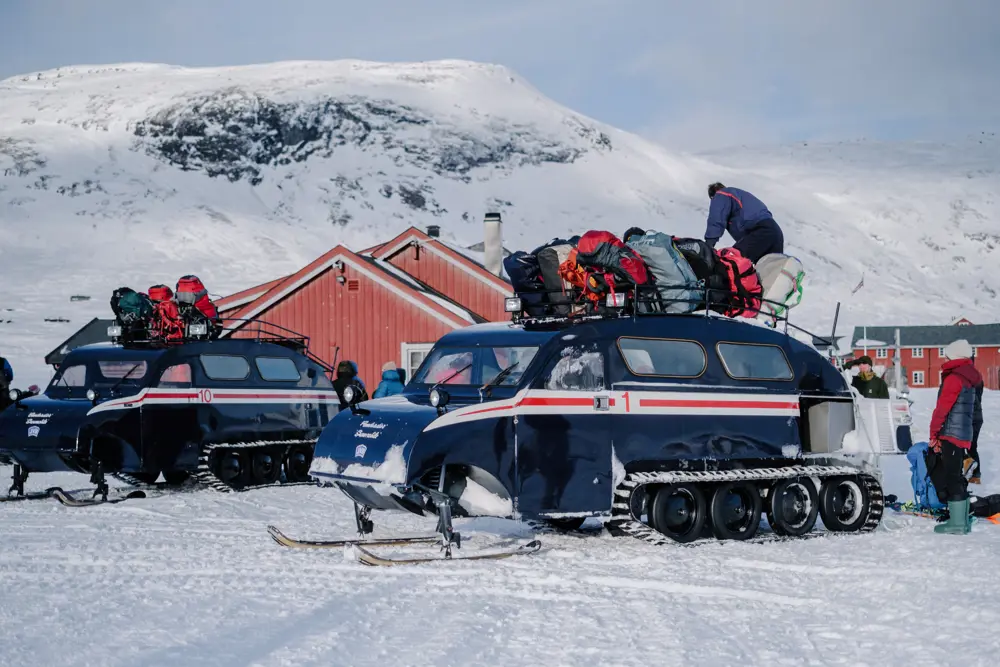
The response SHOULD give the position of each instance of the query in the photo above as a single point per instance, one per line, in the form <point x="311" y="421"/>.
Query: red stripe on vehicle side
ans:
<point x="745" y="405"/>
<point x="585" y="402"/>
<point x="483" y="410"/>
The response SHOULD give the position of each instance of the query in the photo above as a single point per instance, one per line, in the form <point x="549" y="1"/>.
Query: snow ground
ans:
<point x="194" y="579"/>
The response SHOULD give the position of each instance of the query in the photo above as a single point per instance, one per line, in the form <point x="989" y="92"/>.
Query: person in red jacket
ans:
<point x="953" y="427"/>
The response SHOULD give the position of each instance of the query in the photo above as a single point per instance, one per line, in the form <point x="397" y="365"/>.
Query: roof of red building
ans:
<point x="371" y="268"/>
<point x="463" y="260"/>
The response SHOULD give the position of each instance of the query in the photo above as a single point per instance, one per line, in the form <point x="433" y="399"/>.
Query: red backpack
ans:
<point x="605" y="252"/>
<point x="191" y="292"/>
<point x="744" y="283"/>
<point x="158" y="293"/>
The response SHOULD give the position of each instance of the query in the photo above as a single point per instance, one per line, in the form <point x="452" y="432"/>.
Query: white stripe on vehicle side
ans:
<point x="545" y="402"/>
<point x="207" y="396"/>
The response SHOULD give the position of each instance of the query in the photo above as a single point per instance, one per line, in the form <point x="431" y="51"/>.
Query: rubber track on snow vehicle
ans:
<point x="625" y="522"/>
<point x="205" y="476"/>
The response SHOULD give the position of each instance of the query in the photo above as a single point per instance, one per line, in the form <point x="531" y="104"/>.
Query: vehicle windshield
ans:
<point x="474" y="365"/>
<point x="125" y="376"/>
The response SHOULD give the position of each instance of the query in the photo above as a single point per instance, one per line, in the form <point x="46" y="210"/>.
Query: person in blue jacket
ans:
<point x="747" y="220"/>
<point x="391" y="383"/>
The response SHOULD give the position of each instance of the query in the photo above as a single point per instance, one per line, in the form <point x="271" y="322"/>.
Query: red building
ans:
<point x="922" y="349"/>
<point x="390" y="302"/>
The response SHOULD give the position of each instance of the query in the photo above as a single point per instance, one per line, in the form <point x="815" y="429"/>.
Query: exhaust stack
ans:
<point x="493" y="243"/>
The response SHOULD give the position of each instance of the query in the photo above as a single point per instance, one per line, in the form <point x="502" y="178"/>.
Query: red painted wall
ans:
<point x="369" y="323"/>
<point x="453" y="282"/>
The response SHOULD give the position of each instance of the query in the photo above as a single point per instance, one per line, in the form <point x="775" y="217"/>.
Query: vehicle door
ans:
<point x="172" y="432"/>
<point x="564" y="436"/>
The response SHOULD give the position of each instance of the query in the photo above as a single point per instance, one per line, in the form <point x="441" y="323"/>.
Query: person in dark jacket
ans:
<point x="959" y="408"/>
<point x="6" y="377"/>
<point x="747" y="220"/>
<point x="347" y="376"/>
<point x="392" y="382"/>
<point x="866" y="381"/>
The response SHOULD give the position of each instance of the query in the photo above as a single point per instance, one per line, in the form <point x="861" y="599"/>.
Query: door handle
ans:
<point x="602" y="402"/>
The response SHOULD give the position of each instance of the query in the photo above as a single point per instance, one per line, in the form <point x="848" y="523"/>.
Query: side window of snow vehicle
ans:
<point x="277" y="369"/>
<point x="663" y="358"/>
<point x="496" y="359"/>
<point x="746" y="361"/>
<point x="577" y="369"/>
<point x="128" y="371"/>
<point x="225" y="366"/>
<point x="72" y="376"/>
<point x="177" y="376"/>
<point x="447" y="364"/>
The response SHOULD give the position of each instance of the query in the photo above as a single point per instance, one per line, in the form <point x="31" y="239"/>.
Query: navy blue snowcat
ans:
<point x="232" y="413"/>
<point x="667" y="427"/>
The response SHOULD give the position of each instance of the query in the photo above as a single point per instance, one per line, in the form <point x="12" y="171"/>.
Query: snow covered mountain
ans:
<point x="136" y="174"/>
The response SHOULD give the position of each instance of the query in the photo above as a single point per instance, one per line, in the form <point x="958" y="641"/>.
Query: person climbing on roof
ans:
<point x="868" y="384"/>
<point x="747" y="220"/>
<point x="391" y="383"/>
<point x="953" y="426"/>
<point x="347" y="376"/>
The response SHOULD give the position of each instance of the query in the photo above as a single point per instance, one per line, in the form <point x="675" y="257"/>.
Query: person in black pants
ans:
<point x="747" y="220"/>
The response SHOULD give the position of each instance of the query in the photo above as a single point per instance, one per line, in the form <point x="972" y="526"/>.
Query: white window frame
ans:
<point x="881" y="353"/>
<point x="918" y="382"/>
<point x="404" y="351"/>
<point x="918" y="353"/>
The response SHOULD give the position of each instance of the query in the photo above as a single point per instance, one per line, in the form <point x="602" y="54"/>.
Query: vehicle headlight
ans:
<point x="198" y="329"/>
<point x="512" y="304"/>
<point x="349" y="395"/>
<point x="439" y="398"/>
<point x="114" y="331"/>
<point x="14" y="395"/>
<point x="91" y="395"/>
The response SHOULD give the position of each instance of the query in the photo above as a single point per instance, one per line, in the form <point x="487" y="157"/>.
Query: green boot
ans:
<point x="959" y="520"/>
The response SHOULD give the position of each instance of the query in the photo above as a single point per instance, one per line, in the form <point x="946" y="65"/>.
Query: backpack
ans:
<point x="550" y="257"/>
<point x="744" y="284"/>
<point x="167" y="322"/>
<point x="131" y="308"/>
<point x="676" y="283"/>
<point x="158" y="293"/>
<point x="781" y="278"/>
<point x="924" y="493"/>
<point x="593" y="286"/>
<point x="606" y="253"/>
<point x="195" y="304"/>
<point x="703" y="260"/>
<point x="526" y="279"/>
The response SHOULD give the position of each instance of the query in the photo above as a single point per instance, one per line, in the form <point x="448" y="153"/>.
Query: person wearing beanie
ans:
<point x="747" y="220"/>
<point x="868" y="384"/>
<point x="958" y="410"/>
<point x="391" y="383"/>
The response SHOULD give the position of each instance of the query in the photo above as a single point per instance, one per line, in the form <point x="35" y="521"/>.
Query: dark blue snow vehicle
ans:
<point x="233" y="413"/>
<point x="667" y="427"/>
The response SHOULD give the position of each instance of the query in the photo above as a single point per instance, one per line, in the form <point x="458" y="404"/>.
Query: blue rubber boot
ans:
<point x="959" y="520"/>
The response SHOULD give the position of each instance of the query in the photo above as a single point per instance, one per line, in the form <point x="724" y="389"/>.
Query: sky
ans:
<point x="698" y="75"/>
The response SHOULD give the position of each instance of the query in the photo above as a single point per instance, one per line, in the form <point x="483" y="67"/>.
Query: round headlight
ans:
<point x="91" y="395"/>
<point x="349" y="394"/>
<point x="14" y="394"/>
<point x="439" y="398"/>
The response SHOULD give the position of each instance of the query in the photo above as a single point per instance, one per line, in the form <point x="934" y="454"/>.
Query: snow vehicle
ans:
<point x="233" y="413"/>
<point x="666" y="426"/>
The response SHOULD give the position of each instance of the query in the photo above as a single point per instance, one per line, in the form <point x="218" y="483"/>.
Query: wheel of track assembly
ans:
<point x="793" y="506"/>
<point x="735" y="511"/>
<point x="265" y="466"/>
<point x="679" y="511"/>
<point x="844" y="504"/>
<point x="232" y="469"/>
<point x="297" y="463"/>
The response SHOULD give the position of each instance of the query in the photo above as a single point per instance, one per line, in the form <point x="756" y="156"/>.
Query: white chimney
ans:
<point x="493" y="243"/>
